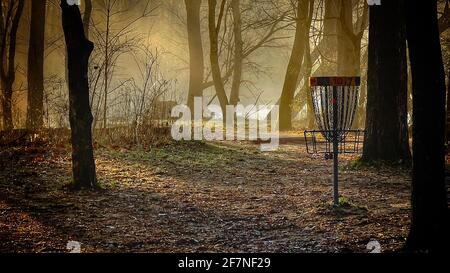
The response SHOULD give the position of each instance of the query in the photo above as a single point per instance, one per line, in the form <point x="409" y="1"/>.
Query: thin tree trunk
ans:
<point x="430" y="217"/>
<point x="8" y="69"/>
<point x="106" y="79"/>
<point x="196" y="60"/>
<point x="214" y="54"/>
<point x="79" y="50"/>
<point x="294" y="66"/>
<point x="386" y="123"/>
<point x="238" y="53"/>
<point x="310" y="116"/>
<point x="361" y="116"/>
<point x="35" y="113"/>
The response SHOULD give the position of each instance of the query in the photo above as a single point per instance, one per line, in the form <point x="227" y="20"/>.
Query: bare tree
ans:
<point x="304" y="8"/>
<point x="349" y="39"/>
<point x="337" y="37"/>
<point x="79" y="50"/>
<point x="36" y="66"/>
<point x="146" y="91"/>
<point x="214" y="30"/>
<point x="254" y="27"/>
<point x="10" y="15"/>
<point x="238" y="52"/>
<point x="196" y="60"/>
<point x="114" y="36"/>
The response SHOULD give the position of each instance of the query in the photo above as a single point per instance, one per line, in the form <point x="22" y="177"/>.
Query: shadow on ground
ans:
<point x="198" y="197"/>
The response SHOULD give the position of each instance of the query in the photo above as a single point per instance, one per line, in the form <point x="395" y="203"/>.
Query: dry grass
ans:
<point x="197" y="197"/>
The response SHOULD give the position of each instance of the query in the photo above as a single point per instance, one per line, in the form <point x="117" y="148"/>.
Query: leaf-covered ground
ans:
<point x="199" y="197"/>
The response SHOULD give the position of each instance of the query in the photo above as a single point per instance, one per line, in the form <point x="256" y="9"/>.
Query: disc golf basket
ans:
<point x="335" y="100"/>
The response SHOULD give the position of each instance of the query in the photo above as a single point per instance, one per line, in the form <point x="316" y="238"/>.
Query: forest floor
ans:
<point x="199" y="197"/>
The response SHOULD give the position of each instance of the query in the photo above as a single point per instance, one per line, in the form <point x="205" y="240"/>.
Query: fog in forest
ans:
<point x="162" y="32"/>
<point x="157" y="31"/>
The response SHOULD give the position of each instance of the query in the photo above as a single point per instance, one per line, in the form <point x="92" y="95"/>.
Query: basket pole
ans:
<point x="335" y="148"/>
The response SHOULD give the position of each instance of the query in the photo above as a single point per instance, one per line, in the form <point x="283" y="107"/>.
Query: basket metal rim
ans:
<point x="334" y="81"/>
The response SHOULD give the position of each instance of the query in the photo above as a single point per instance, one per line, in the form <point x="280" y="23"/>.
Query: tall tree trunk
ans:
<point x="328" y="45"/>
<point x="6" y="102"/>
<point x="107" y="70"/>
<point x="214" y="53"/>
<point x="310" y="115"/>
<point x="87" y="17"/>
<point x="238" y="53"/>
<point x="430" y="218"/>
<point x="196" y="61"/>
<point x="305" y="73"/>
<point x="86" y="24"/>
<point x="386" y="123"/>
<point x="360" y="121"/>
<point x="7" y="68"/>
<point x="2" y="34"/>
<point x="347" y="65"/>
<point x="448" y="107"/>
<point x="349" y="39"/>
<point x="79" y="50"/>
<point x="294" y="66"/>
<point x="35" y="113"/>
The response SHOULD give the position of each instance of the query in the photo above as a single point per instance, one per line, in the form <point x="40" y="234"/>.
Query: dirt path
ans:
<point x="197" y="197"/>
